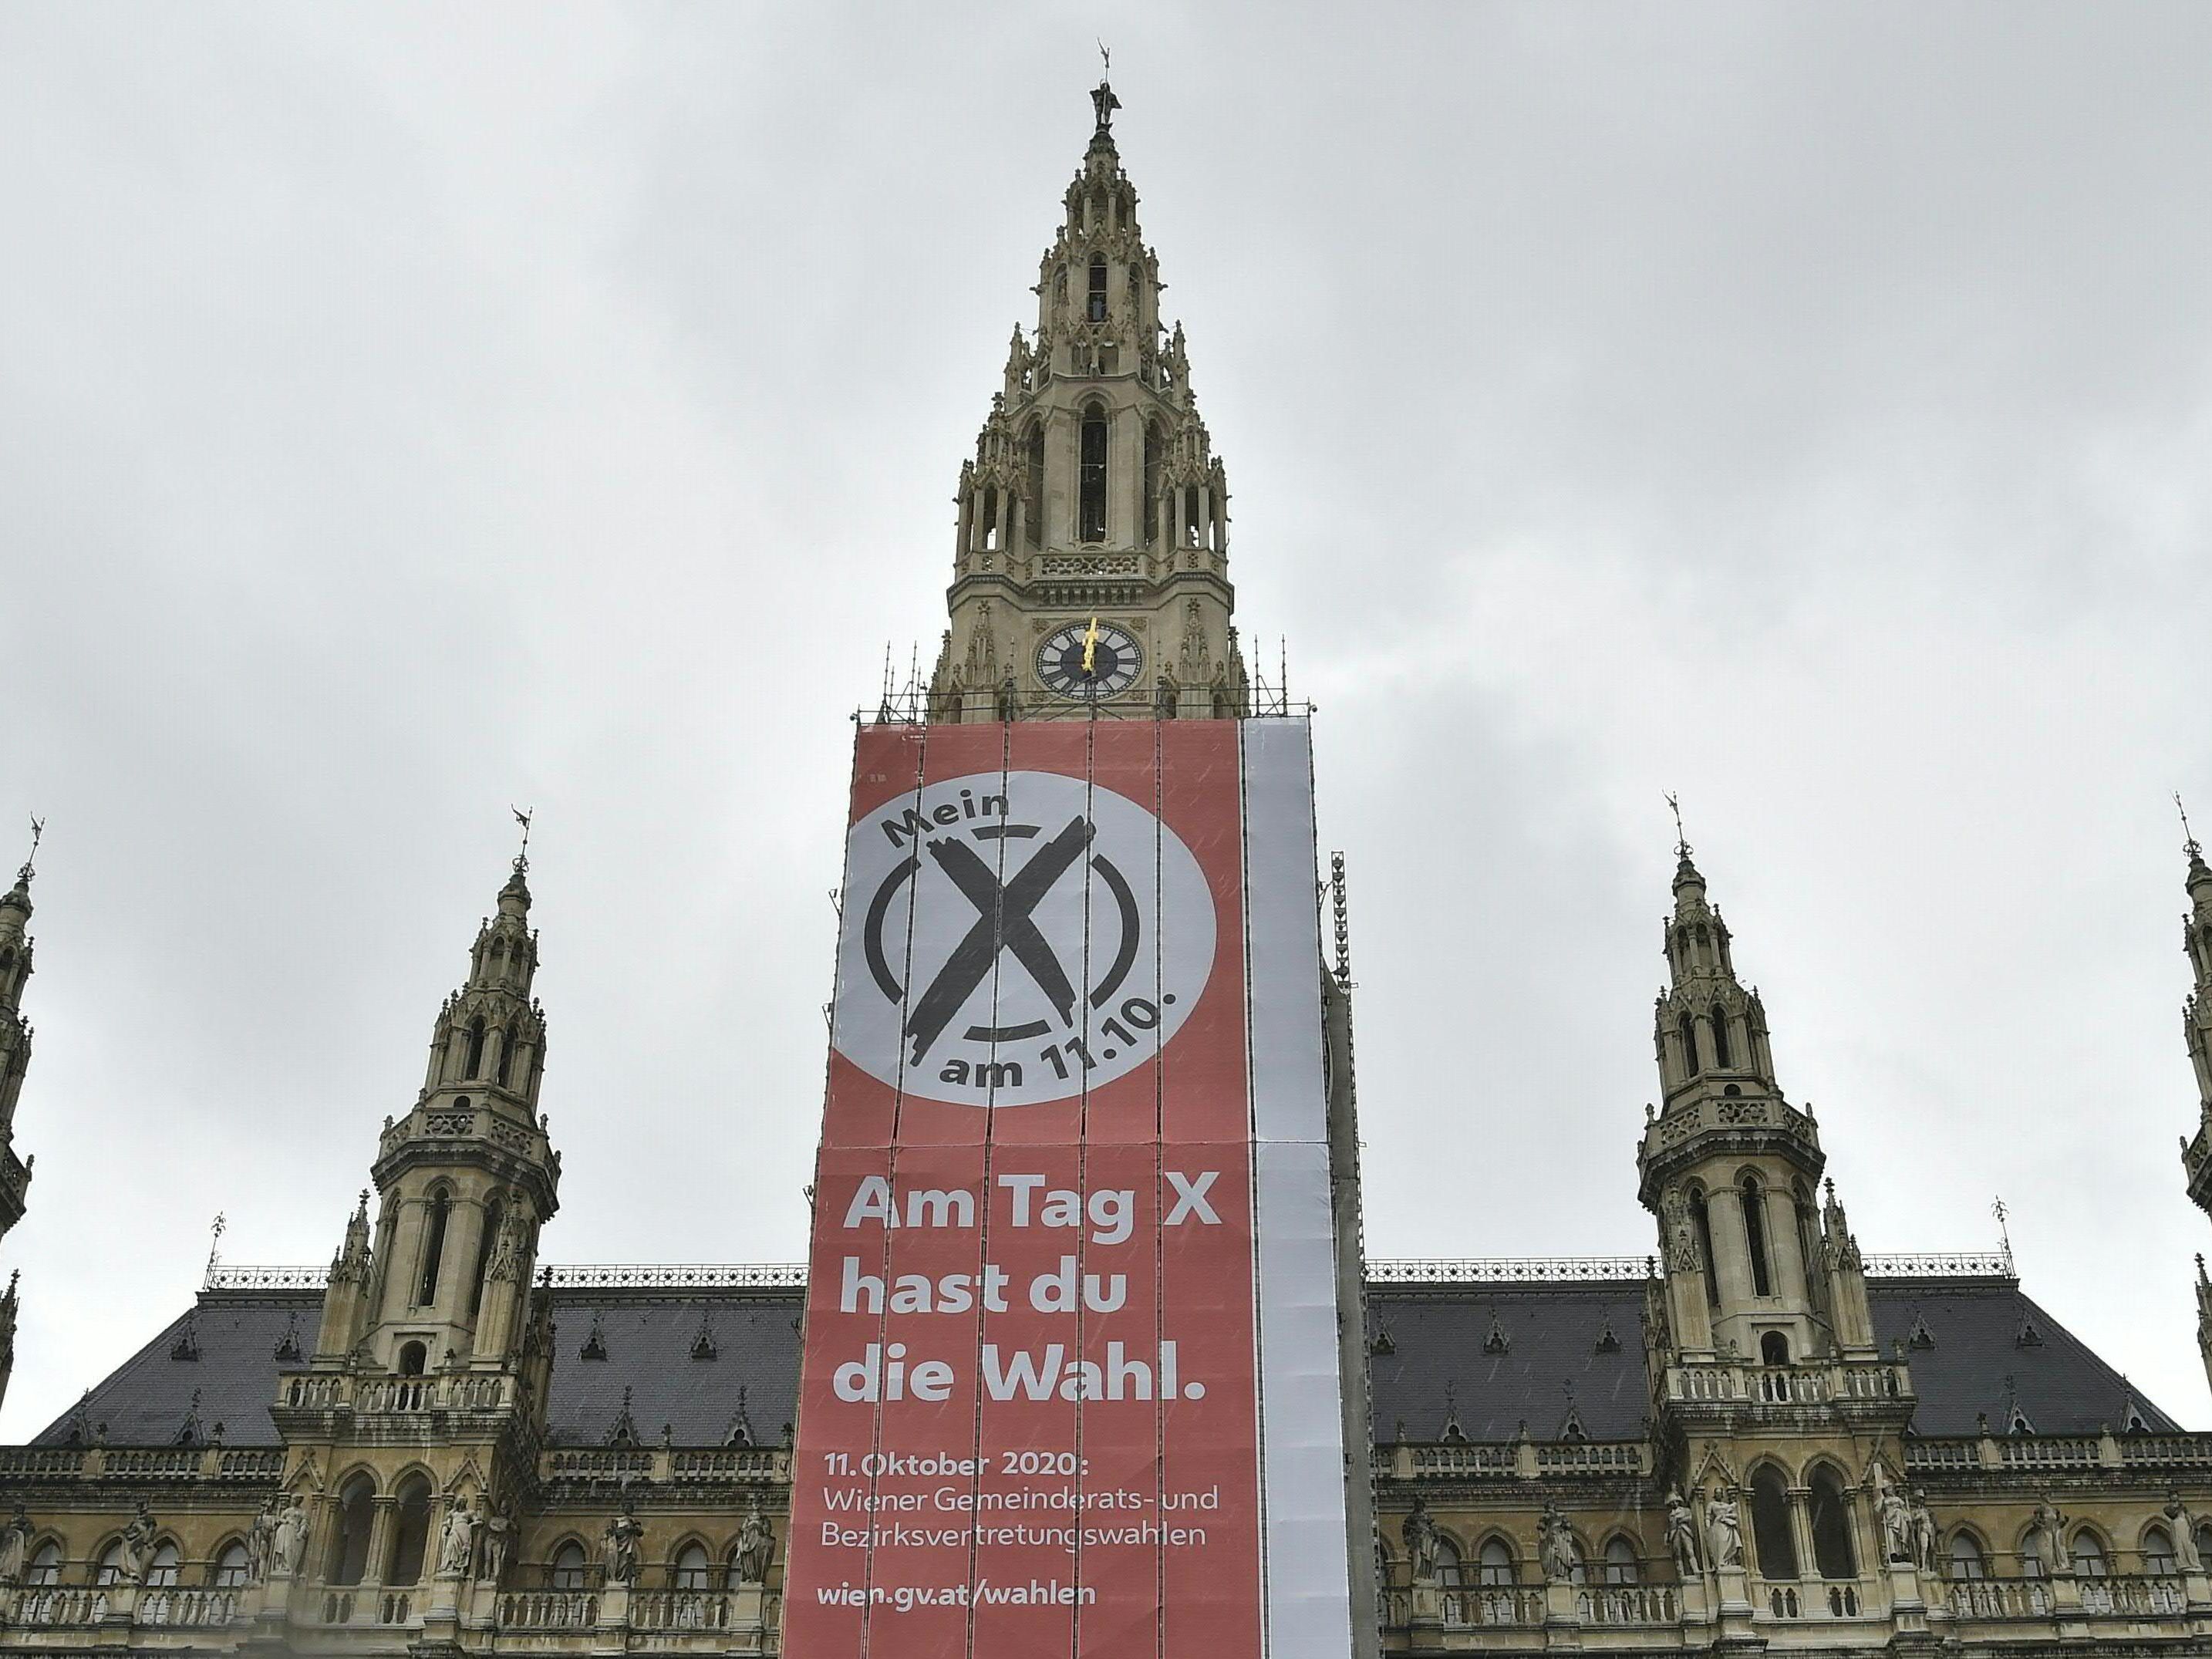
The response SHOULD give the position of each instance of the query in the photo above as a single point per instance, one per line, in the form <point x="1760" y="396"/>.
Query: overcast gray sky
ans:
<point x="404" y="412"/>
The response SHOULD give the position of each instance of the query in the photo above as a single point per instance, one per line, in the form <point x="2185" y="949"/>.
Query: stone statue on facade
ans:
<point x="1896" y="1526"/>
<point x="138" y="1534"/>
<point x="15" y="1546"/>
<point x="499" y="1546"/>
<point x="1924" y="1532"/>
<point x="1418" y="1531"/>
<point x="287" y="1540"/>
<point x="456" y="1541"/>
<point x="756" y="1546"/>
<point x="2047" y="1531"/>
<point x="618" y="1547"/>
<point x="260" y="1538"/>
<point x="2182" y="1524"/>
<point x="1682" y="1537"/>
<point x="1555" y="1545"/>
<point x="1724" y="1531"/>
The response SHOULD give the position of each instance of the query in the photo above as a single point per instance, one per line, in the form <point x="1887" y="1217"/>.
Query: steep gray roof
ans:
<point x="1506" y="1354"/>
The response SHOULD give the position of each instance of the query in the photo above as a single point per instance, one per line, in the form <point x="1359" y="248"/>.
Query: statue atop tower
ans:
<point x="1091" y="562"/>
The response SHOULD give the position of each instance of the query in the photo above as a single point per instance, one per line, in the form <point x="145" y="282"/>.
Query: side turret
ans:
<point x="16" y="954"/>
<point x="464" y="1180"/>
<point x="1756" y="1268"/>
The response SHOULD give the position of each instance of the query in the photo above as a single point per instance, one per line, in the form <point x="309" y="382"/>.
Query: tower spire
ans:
<point x="2196" y="1013"/>
<point x="1093" y="493"/>
<point x="16" y="954"/>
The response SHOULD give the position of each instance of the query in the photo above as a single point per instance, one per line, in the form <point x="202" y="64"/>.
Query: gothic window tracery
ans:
<point x="1701" y="1213"/>
<point x="1968" y="1563"/>
<point x="1754" y="1235"/>
<point x="691" y="1568"/>
<point x="1095" y="305"/>
<point x="230" y="1567"/>
<point x="1770" y="1524"/>
<point x="2158" y="1552"/>
<point x="1092" y="503"/>
<point x="109" y="1569"/>
<point x="568" y="1570"/>
<point x="162" y="1571"/>
<point x="1493" y="1563"/>
<point x="348" y="1556"/>
<point x="410" y="1538"/>
<point x="474" y="1068"/>
<point x="46" y="1567"/>
<point x="1621" y="1565"/>
<point x="2088" y="1554"/>
<point x="1686" y="1029"/>
<point x="1721" y="1050"/>
<point x="1830" y="1516"/>
<point x="433" y="1248"/>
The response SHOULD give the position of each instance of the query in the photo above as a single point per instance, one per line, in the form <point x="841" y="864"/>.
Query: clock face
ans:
<point x="1115" y="660"/>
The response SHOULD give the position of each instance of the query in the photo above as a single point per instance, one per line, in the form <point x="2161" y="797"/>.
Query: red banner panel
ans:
<point x="1031" y="1415"/>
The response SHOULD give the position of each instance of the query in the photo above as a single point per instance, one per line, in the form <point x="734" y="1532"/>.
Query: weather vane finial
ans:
<point x="521" y="859"/>
<point x="1681" y="842"/>
<point x="2188" y="838"/>
<point x="39" y="829"/>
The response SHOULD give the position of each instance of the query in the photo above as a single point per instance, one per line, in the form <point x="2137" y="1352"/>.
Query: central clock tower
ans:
<point x="1090" y="564"/>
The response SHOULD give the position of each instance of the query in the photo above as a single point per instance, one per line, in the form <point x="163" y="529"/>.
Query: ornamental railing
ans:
<point x="1440" y="1270"/>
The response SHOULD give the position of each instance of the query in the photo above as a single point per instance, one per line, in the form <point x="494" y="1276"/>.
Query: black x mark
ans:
<point x="1002" y="923"/>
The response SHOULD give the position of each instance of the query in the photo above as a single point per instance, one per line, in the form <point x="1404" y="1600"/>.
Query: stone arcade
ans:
<point x="1759" y="1436"/>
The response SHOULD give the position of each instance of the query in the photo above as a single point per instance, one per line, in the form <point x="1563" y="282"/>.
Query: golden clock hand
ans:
<point x="1090" y="649"/>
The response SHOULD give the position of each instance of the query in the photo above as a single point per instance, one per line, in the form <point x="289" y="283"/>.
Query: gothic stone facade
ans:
<point x="1756" y="1437"/>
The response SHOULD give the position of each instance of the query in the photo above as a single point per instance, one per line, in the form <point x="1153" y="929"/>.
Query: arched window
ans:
<point x="1808" y="1248"/>
<point x="1770" y="1524"/>
<point x="413" y="1357"/>
<point x="109" y="1570"/>
<point x="1095" y="305"/>
<point x="161" y="1570"/>
<point x="1092" y="492"/>
<point x="691" y="1568"/>
<point x="229" y="1567"/>
<point x="46" y="1566"/>
<point x="1450" y="1572"/>
<point x="2158" y="1552"/>
<point x="1774" y="1349"/>
<point x="987" y="531"/>
<point x="2204" y="1541"/>
<point x="1703" y="1215"/>
<point x="567" y="1572"/>
<point x="1832" y="1526"/>
<point x="1154" y="444"/>
<point x="410" y="1537"/>
<point x="1967" y="1561"/>
<point x="495" y="1219"/>
<point x="2031" y="1565"/>
<point x="1621" y="1565"/>
<point x="2088" y="1553"/>
<point x="1721" y="1053"/>
<point x="1688" y="1029"/>
<point x="1033" y="466"/>
<point x="434" y="1250"/>
<point x="474" y="1069"/>
<point x="1754" y="1237"/>
<point x="1494" y="1563"/>
<point x="506" y="1056"/>
<point x="349" y="1557"/>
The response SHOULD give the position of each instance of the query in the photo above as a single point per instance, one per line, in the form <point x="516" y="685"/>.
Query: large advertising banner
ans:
<point x="1070" y="1382"/>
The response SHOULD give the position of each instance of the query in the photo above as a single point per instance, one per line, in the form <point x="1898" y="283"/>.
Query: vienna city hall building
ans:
<point x="1761" y="1434"/>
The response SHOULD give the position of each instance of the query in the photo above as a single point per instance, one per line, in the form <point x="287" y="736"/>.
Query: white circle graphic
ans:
<point x="1013" y="937"/>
